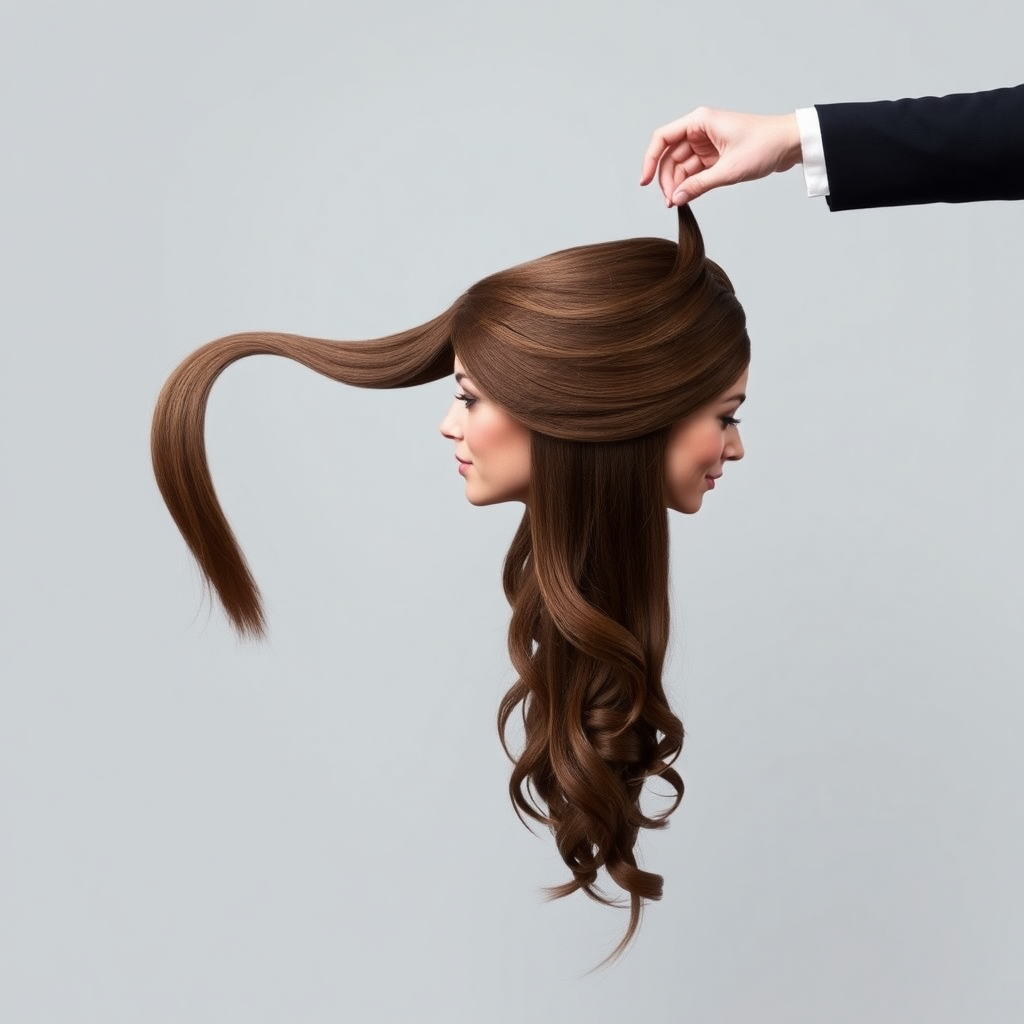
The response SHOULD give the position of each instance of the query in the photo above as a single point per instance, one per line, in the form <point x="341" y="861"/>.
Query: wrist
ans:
<point x="789" y="148"/>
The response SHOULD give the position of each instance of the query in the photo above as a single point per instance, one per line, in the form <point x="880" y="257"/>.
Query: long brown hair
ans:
<point x="598" y="350"/>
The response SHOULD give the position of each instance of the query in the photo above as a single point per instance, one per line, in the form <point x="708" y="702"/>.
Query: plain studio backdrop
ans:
<point x="317" y="828"/>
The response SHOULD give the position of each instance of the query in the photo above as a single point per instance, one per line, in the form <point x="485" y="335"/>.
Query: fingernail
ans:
<point x="679" y="196"/>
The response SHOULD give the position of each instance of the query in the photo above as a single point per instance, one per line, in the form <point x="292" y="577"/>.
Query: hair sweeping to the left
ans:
<point x="599" y="351"/>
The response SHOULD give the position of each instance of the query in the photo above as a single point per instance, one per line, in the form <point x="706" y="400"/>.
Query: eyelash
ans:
<point x="729" y="421"/>
<point x="466" y="400"/>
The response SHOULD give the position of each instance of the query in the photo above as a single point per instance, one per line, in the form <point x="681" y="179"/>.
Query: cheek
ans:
<point x="694" y="452"/>
<point x="483" y="434"/>
<point x="710" y="451"/>
<point x="500" y="440"/>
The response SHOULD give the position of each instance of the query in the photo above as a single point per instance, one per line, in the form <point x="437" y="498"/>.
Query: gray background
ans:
<point x="316" y="829"/>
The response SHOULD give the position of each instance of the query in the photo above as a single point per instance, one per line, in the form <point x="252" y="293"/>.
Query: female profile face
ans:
<point x="700" y="446"/>
<point x="492" y="448"/>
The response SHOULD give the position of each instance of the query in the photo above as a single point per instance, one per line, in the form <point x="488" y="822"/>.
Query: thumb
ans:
<point x="694" y="186"/>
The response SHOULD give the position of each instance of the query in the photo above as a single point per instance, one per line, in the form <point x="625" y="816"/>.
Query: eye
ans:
<point x="466" y="400"/>
<point x="729" y="421"/>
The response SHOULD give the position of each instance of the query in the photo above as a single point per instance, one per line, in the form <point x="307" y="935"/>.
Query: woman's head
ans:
<point x="603" y="342"/>
<point x="600" y="386"/>
<point x="699" y="446"/>
<point x="492" y="448"/>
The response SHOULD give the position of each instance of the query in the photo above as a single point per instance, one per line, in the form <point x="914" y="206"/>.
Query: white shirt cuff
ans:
<point x="815" y="173"/>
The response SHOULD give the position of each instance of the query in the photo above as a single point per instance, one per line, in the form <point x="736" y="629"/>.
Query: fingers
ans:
<point x="692" y="188"/>
<point x="695" y="185"/>
<point x="663" y="139"/>
<point x="678" y="166"/>
<point x="659" y="143"/>
<point x="693" y="165"/>
<point x="676" y="162"/>
<point x="667" y="181"/>
<point x="680" y="151"/>
<point x="672" y="169"/>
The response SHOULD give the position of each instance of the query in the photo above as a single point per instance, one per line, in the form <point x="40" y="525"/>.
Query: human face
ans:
<point x="699" y="446"/>
<point x="492" y="448"/>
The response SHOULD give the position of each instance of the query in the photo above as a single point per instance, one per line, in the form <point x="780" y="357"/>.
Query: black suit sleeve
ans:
<point x="951" y="149"/>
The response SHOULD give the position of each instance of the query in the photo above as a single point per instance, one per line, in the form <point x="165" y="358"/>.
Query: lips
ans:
<point x="465" y="462"/>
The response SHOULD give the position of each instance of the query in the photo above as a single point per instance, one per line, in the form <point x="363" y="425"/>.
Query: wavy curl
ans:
<point x="589" y="646"/>
<point x="598" y="350"/>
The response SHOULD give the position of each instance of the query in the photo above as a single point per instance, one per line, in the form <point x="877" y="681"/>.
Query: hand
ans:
<point x="708" y="148"/>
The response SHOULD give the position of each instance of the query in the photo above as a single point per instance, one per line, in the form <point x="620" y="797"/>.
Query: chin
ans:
<point x="482" y="499"/>
<point x="493" y="499"/>
<point x="688" y="506"/>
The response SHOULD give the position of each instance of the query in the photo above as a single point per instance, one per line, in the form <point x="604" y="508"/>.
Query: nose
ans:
<point x="450" y="426"/>
<point x="734" y="450"/>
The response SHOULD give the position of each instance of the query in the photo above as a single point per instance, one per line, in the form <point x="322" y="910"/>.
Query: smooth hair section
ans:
<point x="598" y="350"/>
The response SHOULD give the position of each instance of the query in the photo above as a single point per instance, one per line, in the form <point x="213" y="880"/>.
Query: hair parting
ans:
<point x="598" y="350"/>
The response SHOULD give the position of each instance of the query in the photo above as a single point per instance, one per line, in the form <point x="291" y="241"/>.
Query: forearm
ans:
<point x="952" y="149"/>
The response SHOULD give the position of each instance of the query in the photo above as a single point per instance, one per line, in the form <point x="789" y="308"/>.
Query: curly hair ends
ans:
<point x="599" y="350"/>
<point x="587" y="579"/>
